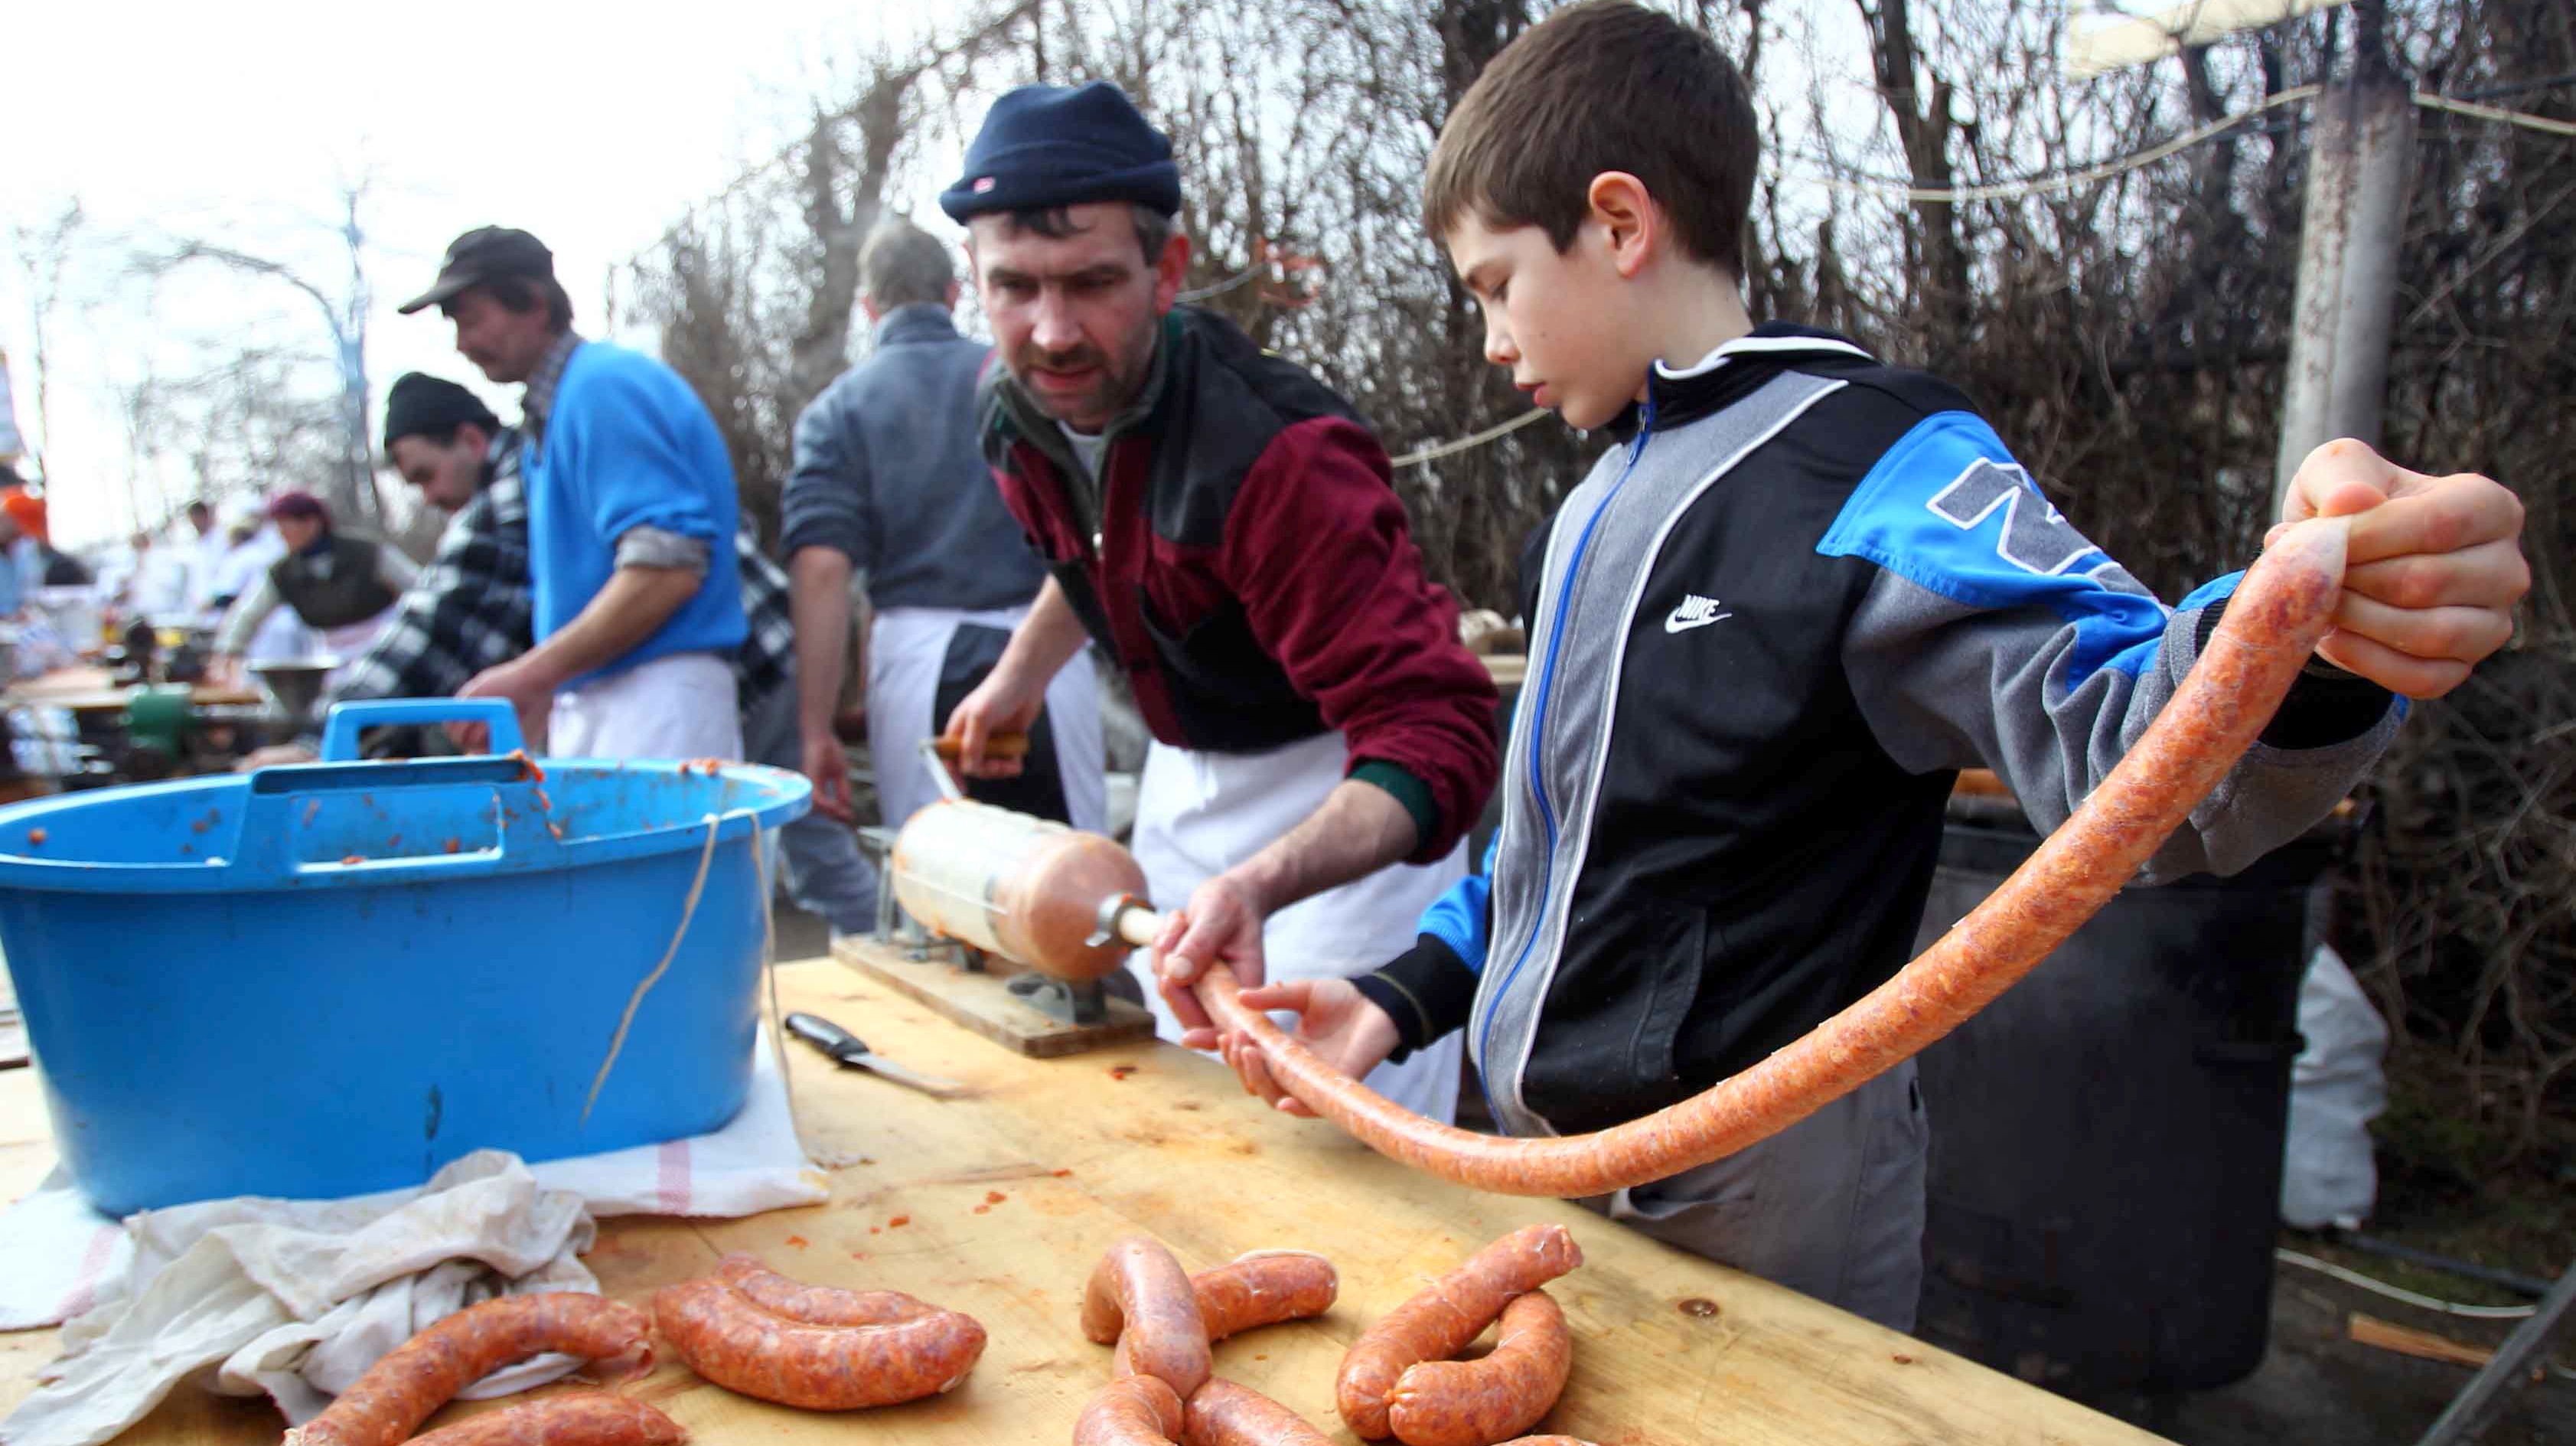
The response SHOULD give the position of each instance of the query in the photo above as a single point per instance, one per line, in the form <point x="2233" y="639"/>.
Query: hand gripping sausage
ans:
<point x="1441" y="1319"/>
<point x="1262" y="1287"/>
<point x="1140" y="1297"/>
<point x="1222" y="1413"/>
<point x="1130" y="1411"/>
<point x="2274" y="620"/>
<point x="729" y="1339"/>
<point x="401" y="1390"/>
<point x="584" y="1418"/>
<point x="1477" y="1403"/>
<point x="816" y="1304"/>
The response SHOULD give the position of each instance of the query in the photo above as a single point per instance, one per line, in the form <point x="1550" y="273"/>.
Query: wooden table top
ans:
<point x="91" y="689"/>
<point x="997" y="1204"/>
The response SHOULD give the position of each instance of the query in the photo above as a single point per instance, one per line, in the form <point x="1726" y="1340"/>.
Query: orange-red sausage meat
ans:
<point x="1140" y="1297"/>
<point x="732" y="1341"/>
<point x="584" y="1418"/>
<point x="1439" y="1321"/>
<point x="1130" y="1411"/>
<point x="1222" y="1413"/>
<point x="385" y="1405"/>
<point x="1479" y="1402"/>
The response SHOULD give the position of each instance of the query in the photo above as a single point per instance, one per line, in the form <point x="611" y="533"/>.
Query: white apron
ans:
<point x="1199" y="814"/>
<point x="907" y="650"/>
<point x="678" y="706"/>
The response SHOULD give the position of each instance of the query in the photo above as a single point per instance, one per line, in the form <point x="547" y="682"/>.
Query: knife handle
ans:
<point x="823" y="1034"/>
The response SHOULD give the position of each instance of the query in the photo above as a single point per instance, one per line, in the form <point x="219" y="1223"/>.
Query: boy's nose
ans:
<point x="1498" y="343"/>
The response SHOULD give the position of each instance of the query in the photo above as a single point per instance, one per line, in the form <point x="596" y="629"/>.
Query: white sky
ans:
<point x="593" y="125"/>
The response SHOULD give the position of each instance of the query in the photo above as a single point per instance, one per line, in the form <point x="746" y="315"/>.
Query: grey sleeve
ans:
<point x="246" y="614"/>
<point x="826" y="502"/>
<point x="660" y="547"/>
<point x="1946" y="684"/>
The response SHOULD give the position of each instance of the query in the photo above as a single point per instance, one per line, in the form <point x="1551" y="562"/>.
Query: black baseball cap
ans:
<point x="486" y="253"/>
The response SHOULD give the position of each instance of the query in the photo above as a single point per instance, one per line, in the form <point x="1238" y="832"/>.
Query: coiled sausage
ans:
<point x="816" y="1304"/>
<point x="1479" y="1402"/>
<point x="584" y="1418"/>
<point x="386" y="1404"/>
<point x="734" y="1342"/>
<point x="2273" y="622"/>
<point x="1222" y="1413"/>
<point x="1441" y="1319"/>
<point x="1139" y="1297"/>
<point x="1130" y="1411"/>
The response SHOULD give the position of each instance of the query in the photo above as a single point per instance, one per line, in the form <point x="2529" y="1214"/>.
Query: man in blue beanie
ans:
<point x="1224" y="526"/>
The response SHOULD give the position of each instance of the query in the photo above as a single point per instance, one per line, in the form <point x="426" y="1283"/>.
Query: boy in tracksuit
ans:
<point x="1764" y="635"/>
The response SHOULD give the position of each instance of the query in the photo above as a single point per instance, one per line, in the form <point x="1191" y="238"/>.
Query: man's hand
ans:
<point x="2432" y="572"/>
<point x="829" y="767"/>
<point x="1334" y="1020"/>
<point x="1003" y="703"/>
<point x="531" y="692"/>
<point x="275" y="755"/>
<point x="1221" y="924"/>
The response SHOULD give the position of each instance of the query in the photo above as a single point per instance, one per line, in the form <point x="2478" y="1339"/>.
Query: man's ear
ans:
<point x="1169" y="269"/>
<point x="954" y="291"/>
<point x="1628" y="217"/>
<point x="868" y="304"/>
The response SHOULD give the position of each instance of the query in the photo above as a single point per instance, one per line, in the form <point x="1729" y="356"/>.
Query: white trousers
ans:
<point x="1199" y="814"/>
<point x="907" y="653"/>
<point x="679" y="706"/>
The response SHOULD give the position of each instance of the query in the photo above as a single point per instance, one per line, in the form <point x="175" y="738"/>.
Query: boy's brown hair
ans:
<point x="1606" y="85"/>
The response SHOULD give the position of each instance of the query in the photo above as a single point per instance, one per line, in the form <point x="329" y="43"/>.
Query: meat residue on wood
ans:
<point x="898" y="1222"/>
<point x="1121" y="1071"/>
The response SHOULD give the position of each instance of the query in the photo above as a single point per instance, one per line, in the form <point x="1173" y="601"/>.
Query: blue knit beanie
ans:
<point x="1053" y="145"/>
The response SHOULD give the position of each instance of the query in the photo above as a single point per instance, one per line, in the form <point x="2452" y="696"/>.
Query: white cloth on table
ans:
<point x="59" y="1259"/>
<point x="1199" y="814"/>
<point x="680" y="705"/>
<point x="907" y="655"/>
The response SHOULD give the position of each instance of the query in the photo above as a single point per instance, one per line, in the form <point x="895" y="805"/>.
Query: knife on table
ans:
<point x="853" y="1051"/>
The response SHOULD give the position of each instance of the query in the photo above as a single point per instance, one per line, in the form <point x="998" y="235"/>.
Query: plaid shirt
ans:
<point x="472" y="608"/>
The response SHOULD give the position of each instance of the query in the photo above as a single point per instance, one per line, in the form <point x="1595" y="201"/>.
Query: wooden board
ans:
<point x="1670" y="1349"/>
<point x="984" y="1003"/>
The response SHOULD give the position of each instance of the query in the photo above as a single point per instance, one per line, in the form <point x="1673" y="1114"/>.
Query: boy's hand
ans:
<point x="1335" y="1020"/>
<point x="2433" y="569"/>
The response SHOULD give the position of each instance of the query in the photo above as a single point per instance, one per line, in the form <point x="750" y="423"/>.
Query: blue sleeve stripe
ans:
<point x="1948" y="509"/>
<point x="1458" y="917"/>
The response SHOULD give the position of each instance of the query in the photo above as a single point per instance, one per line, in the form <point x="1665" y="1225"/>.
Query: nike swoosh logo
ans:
<point x="1695" y="612"/>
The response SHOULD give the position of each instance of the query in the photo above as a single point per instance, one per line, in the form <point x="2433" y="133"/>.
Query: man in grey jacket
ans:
<point x="888" y="482"/>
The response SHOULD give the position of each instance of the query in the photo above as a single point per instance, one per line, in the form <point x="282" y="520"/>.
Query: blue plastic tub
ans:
<point x="333" y="978"/>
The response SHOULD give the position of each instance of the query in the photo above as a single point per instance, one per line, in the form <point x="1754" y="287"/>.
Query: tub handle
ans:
<point x="340" y="730"/>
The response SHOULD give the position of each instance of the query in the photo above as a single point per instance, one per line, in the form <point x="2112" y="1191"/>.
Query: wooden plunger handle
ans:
<point x="1124" y="918"/>
<point x="996" y="745"/>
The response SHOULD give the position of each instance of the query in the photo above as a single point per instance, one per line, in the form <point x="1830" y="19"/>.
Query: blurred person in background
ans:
<point x="341" y="586"/>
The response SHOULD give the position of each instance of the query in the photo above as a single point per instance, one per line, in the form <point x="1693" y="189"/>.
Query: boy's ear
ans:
<point x="1627" y="215"/>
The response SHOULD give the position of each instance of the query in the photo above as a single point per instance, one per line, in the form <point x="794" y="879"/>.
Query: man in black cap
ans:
<point x="1224" y="526"/>
<point x="471" y="610"/>
<point x="631" y="521"/>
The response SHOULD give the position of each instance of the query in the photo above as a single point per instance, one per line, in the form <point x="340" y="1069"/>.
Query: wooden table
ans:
<point x="1005" y="1198"/>
<point x="94" y="690"/>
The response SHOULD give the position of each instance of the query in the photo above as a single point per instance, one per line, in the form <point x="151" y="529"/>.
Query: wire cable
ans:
<point x="2400" y="1293"/>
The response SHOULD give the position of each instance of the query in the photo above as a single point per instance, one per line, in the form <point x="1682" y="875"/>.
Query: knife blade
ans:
<point x="853" y="1052"/>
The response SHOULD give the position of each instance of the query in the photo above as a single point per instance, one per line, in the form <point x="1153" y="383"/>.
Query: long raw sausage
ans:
<point x="1476" y="1403"/>
<point x="1140" y="1297"/>
<point x="401" y="1390"/>
<point x="1130" y="1411"/>
<point x="584" y="1418"/>
<point x="2272" y="623"/>
<point x="1262" y="1287"/>
<point x="1444" y="1316"/>
<point x="1222" y="1413"/>
<point x="817" y="1304"/>
<point x="735" y="1343"/>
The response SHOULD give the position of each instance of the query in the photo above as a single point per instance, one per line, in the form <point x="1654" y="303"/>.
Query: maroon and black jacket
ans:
<point x="1244" y="559"/>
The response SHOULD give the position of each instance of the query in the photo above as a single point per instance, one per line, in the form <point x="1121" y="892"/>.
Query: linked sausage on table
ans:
<point x="401" y="1390"/>
<point x="1262" y="1287"/>
<point x="1130" y="1411"/>
<point x="1222" y="1413"/>
<point x="1140" y="1297"/>
<point x="1441" y="1319"/>
<point x="2278" y="613"/>
<point x="734" y="1342"/>
<point x="1479" y="1402"/>
<point x="816" y="1304"/>
<point x="585" y="1418"/>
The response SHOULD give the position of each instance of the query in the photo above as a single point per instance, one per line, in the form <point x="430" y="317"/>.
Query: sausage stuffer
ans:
<point x="991" y="915"/>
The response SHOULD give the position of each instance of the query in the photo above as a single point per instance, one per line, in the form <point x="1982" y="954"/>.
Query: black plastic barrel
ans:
<point x="2106" y="1137"/>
